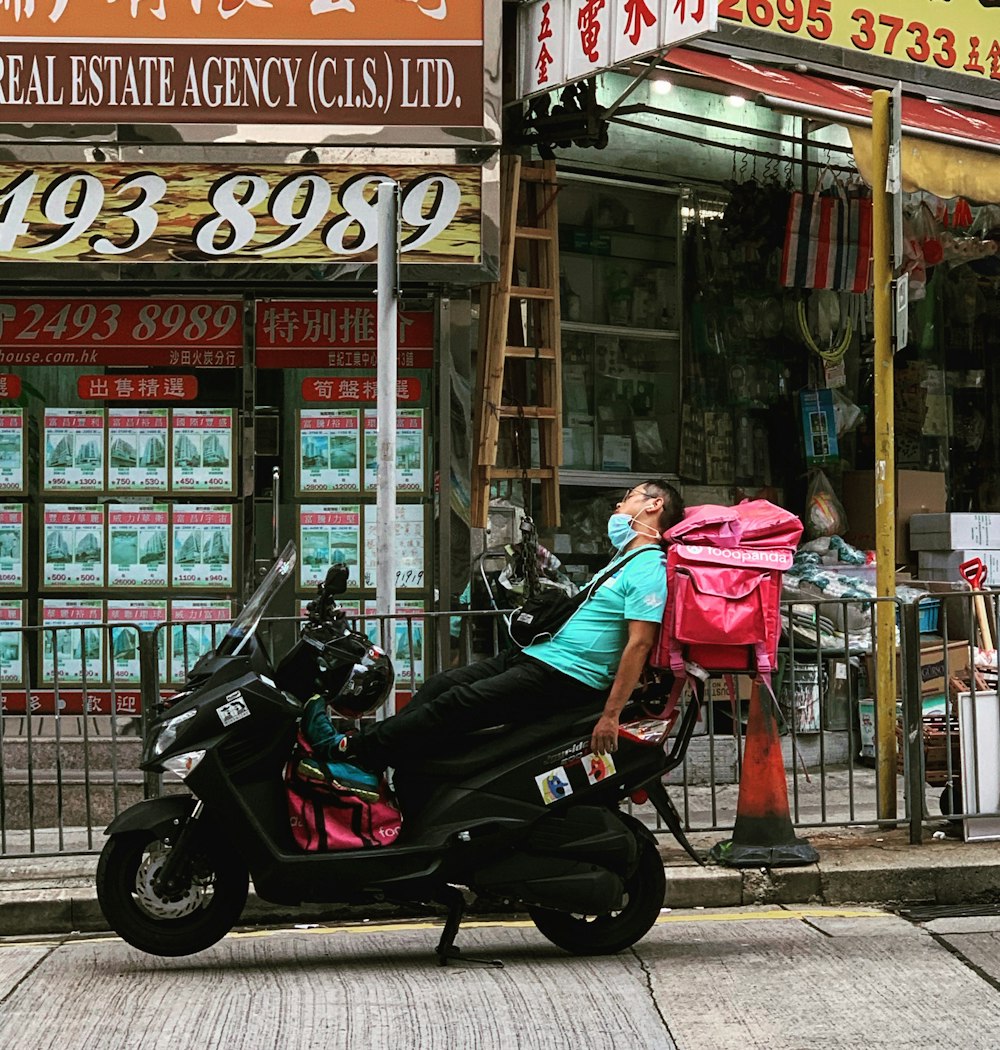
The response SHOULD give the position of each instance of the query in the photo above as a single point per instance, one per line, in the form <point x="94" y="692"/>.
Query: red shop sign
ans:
<point x="206" y="333"/>
<point x="10" y="386"/>
<point x="137" y="388"/>
<point x="356" y="388"/>
<point x="336" y="334"/>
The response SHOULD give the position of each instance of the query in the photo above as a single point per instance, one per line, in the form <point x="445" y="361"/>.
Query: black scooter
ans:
<point x="525" y="816"/>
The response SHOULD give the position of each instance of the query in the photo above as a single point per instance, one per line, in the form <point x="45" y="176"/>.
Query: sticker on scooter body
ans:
<point x="598" y="767"/>
<point x="553" y="785"/>
<point x="235" y="709"/>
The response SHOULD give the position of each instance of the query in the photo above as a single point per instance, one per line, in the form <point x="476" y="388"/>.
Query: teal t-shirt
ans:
<point x="590" y="643"/>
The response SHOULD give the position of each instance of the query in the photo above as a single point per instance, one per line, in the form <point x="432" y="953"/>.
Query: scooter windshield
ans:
<point x="248" y="620"/>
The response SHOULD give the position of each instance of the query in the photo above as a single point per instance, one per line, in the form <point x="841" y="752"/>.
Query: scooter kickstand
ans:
<point x="447" y="951"/>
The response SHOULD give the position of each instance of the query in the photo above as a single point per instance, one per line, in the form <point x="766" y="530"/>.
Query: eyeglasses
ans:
<point x="629" y="493"/>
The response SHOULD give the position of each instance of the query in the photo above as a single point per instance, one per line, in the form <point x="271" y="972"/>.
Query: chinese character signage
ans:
<point x="329" y="536"/>
<point x="197" y="627"/>
<point x="409" y="544"/>
<point x="72" y="640"/>
<point x="328" y="450"/>
<point x="137" y="388"/>
<point x="186" y="332"/>
<point x="208" y="213"/>
<point x="73" y="458"/>
<point x="409" y="450"/>
<point x="337" y="334"/>
<point x="11" y="546"/>
<point x="408" y="653"/>
<point x="202" y="547"/>
<point x="137" y="449"/>
<point x="564" y="40"/>
<point x="137" y="545"/>
<point x="202" y="450"/>
<point x="72" y="545"/>
<point x="356" y="388"/>
<point x="132" y="616"/>
<point x="11" y="450"/>
<point x="396" y="63"/>
<point x="960" y="36"/>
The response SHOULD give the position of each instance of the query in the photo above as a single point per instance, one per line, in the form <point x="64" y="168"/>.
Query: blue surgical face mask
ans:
<point x="620" y="530"/>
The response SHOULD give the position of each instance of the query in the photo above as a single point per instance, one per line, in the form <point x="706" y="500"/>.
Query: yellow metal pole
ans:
<point x="885" y="464"/>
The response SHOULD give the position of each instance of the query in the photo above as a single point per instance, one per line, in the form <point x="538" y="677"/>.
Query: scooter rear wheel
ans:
<point x="616" y="931"/>
<point x="201" y="913"/>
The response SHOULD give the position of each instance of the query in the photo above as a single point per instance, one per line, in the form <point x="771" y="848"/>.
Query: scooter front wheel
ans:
<point x="616" y="931"/>
<point x="203" y="910"/>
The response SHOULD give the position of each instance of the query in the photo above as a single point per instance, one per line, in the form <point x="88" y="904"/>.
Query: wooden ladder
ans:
<point x="519" y="326"/>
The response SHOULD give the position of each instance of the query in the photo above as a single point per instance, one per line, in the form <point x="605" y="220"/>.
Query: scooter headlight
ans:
<point x="182" y="765"/>
<point x="168" y="732"/>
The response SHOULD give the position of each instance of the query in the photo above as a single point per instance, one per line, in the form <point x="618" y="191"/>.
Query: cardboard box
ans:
<point x="934" y="670"/>
<point x="943" y="565"/>
<point x="917" y="492"/>
<point x="716" y="688"/>
<point x="950" y="532"/>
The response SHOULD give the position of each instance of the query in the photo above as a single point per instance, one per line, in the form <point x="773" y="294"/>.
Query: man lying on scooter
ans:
<point x="593" y="662"/>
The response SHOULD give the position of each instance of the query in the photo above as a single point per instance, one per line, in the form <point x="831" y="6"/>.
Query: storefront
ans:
<point x="714" y="336"/>
<point x="187" y="312"/>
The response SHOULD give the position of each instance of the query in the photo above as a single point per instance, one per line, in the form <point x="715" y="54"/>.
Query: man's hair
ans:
<point x="673" y="502"/>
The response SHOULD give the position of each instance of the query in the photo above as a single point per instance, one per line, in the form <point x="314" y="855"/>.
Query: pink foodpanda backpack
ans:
<point x="724" y="572"/>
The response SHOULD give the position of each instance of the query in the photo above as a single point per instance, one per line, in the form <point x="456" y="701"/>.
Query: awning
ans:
<point x="957" y="161"/>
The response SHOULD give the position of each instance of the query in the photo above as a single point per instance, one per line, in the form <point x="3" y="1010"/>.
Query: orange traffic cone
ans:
<point x="763" y="836"/>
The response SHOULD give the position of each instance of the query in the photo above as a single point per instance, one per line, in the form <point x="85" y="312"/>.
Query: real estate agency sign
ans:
<point x="405" y="63"/>
<point x="560" y="41"/>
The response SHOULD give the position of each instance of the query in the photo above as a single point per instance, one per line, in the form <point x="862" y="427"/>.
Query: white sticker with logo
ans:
<point x="597" y="767"/>
<point x="234" y="710"/>
<point x="554" y="785"/>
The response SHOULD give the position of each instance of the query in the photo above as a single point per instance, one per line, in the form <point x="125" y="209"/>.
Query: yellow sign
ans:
<point x="205" y="213"/>
<point x="960" y="36"/>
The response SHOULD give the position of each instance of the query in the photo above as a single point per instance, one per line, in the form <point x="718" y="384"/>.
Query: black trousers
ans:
<point x="509" y="688"/>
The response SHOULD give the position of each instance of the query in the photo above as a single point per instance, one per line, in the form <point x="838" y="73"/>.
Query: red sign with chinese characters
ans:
<point x="356" y="388"/>
<point x="337" y="334"/>
<point x="10" y="386"/>
<point x="205" y="333"/>
<point x="137" y="388"/>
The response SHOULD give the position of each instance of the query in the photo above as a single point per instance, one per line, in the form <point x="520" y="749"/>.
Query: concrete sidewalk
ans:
<point x="56" y="895"/>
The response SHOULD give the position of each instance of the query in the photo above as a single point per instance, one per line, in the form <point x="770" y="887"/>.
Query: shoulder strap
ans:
<point x="591" y="588"/>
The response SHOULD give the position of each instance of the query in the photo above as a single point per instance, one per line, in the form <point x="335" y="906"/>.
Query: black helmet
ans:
<point x="354" y="676"/>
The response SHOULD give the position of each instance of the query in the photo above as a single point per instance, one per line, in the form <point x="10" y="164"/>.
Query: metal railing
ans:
<point x="74" y="702"/>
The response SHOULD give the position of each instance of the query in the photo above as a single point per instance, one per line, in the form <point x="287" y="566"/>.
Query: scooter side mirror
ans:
<point x="336" y="580"/>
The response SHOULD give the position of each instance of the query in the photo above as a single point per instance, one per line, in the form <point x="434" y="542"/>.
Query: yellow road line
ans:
<point x="768" y="913"/>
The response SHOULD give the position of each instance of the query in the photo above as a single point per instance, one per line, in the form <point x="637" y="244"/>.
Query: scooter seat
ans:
<point x="489" y="746"/>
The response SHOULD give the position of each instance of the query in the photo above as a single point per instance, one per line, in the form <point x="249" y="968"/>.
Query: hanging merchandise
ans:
<point x="819" y="426"/>
<point x="831" y="341"/>
<point x="828" y="241"/>
<point x="824" y="512"/>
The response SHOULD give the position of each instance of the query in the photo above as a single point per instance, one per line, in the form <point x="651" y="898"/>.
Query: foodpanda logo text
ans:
<point x="741" y="556"/>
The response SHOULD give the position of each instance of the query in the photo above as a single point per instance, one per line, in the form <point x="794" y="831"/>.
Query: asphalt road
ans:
<point x="780" y="979"/>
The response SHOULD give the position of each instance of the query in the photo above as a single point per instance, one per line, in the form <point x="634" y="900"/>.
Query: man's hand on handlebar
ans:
<point x="604" y="739"/>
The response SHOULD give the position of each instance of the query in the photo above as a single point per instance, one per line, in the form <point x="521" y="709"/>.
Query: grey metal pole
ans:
<point x="388" y="329"/>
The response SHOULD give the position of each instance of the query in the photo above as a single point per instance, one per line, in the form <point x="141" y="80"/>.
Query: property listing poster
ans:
<point x="409" y="544"/>
<point x="137" y="450"/>
<point x="11" y="642"/>
<point x="74" y="450"/>
<point x="352" y="609"/>
<point x="197" y="625"/>
<point x="202" y="450"/>
<point x="202" y="546"/>
<point x="408" y="654"/>
<point x="409" y="449"/>
<point x="138" y="541"/>
<point x="72" y="545"/>
<point x="329" y="450"/>
<point x="132" y="616"/>
<point x="329" y="535"/>
<point x="11" y="546"/>
<point x="73" y="646"/>
<point x="11" y="450"/>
